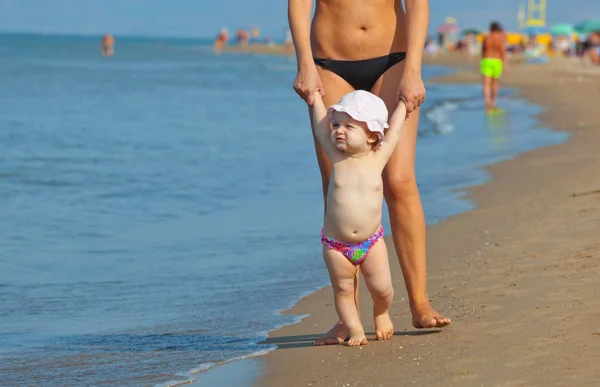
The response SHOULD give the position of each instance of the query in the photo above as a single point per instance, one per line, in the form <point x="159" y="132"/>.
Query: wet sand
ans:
<point x="518" y="275"/>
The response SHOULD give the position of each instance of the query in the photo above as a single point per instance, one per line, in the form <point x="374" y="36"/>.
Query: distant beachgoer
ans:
<point x="460" y="46"/>
<point x="221" y="40"/>
<point x="493" y="61"/>
<point x="242" y="37"/>
<point x="255" y="35"/>
<point x="107" y="45"/>
<point x="268" y="41"/>
<point x="472" y="46"/>
<point x="365" y="45"/>
<point x="431" y="47"/>
<point x="562" y="45"/>
<point x="288" y="43"/>
<point x="594" y="51"/>
<point x="358" y="141"/>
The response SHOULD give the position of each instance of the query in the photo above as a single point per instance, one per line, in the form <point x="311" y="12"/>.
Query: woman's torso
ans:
<point x="357" y="29"/>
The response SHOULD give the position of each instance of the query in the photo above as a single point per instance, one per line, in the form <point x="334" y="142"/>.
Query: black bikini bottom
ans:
<point x="361" y="74"/>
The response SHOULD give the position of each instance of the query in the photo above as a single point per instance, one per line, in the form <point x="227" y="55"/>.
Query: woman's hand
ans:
<point x="411" y="89"/>
<point x="307" y="82"/>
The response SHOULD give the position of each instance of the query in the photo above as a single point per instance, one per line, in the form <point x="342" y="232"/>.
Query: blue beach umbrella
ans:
<point x="535" y="30"/>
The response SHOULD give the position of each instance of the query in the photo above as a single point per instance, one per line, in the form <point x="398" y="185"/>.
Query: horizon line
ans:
<point x="100" y="34"/>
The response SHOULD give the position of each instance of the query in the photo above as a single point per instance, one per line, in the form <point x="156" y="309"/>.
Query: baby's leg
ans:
<point x="342" y="274"/>
<point x="376" y="270"/>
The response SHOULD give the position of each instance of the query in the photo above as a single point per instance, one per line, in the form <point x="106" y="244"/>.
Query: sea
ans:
<point x="161" y="207"/>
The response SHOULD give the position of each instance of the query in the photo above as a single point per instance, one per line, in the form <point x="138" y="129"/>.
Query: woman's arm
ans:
<point x="411" y="87"/>
<point x="417" y="22"/>
<point x="307" y="80"/>
<point x="299" y="20"/>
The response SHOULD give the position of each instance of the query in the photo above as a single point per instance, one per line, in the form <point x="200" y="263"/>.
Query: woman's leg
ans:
<point x="335" y="88"/>
<point x="405" y="209"/>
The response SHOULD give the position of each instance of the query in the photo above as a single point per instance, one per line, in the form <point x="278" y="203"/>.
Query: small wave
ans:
<point x="197" y="370"/>
<point x="438" y="117"/>
<point x="281" y="68"/>
<point x="174" y="383"/>
<point x="46" y="183"/>
<point x="190" y="376"/>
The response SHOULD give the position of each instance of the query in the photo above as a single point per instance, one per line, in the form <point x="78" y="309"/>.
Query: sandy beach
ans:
<point x="518" y="275"/>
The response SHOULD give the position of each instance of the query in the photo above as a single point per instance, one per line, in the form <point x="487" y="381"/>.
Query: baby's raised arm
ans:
<point x="320" y="125"/>
<point x="392" y="135"/>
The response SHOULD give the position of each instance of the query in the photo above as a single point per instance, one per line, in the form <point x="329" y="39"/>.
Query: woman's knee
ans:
<point x="398" y="187"/>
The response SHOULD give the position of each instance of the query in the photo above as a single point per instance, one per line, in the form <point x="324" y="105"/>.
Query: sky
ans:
<point x="204" y="18"/>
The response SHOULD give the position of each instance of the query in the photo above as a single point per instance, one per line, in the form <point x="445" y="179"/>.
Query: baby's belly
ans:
<point x="353" y="217"/>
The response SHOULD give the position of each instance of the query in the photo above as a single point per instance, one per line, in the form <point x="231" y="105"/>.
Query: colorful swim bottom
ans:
<point x="491" y="67"/>
<point x="355" y="252"/>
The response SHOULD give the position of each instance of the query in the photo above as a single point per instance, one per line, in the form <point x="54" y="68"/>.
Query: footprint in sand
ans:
<point x="593" y="192"/>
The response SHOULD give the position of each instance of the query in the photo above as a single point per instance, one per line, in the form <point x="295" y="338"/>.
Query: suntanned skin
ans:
<point x="493" y="46"/>
<point x="364" y="29"/>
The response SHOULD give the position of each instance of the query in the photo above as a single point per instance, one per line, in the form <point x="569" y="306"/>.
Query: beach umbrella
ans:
<point x="588" y="26"/>
<point x="471" y="30"/>
<point x="561" y="29"/>
<point x="535" y="30"/>
<point x="446" y="28"/>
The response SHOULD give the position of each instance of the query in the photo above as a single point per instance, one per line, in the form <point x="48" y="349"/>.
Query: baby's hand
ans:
<point x="319" y="98"/>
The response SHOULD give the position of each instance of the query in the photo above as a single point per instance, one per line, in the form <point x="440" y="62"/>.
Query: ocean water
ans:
<point x="158" y="208"/>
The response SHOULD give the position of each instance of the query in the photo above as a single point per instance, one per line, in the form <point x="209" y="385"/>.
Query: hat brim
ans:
<point x="373" y="125"/>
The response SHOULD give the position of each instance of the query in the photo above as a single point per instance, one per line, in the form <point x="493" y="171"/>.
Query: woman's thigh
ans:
<point x="401" y="166"/>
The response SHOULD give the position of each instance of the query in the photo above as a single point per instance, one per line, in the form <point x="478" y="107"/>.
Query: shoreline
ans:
<point x="509" y="181"/>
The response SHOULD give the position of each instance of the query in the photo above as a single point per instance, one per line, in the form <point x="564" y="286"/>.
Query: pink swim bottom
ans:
<point x="355" y="252"/>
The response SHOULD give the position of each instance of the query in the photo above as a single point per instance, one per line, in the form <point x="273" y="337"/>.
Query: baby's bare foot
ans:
<point x="424" y="316"/>
<point x="384" y="329"/>
<point x="357" y="338"/>
<point x="336" y="335"/>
